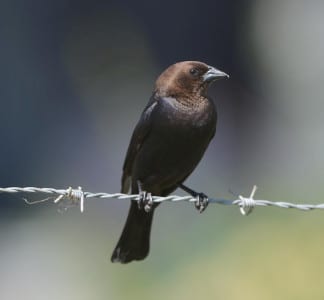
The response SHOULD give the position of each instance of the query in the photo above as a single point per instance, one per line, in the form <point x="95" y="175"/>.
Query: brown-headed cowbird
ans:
<point x="169" y="140"/>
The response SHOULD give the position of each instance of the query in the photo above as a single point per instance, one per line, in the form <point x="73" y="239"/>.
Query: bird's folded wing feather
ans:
<point x="140" y="133"/>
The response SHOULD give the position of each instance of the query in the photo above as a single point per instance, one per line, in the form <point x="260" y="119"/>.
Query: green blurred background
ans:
<point x="75" y="76"/>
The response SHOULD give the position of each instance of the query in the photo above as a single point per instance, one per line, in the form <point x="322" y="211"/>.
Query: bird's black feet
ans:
<point x="202" y="202"/>
<point x="145" y="201"/>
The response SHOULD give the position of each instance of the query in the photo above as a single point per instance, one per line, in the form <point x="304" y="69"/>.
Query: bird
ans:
<point x="168" y="142"/>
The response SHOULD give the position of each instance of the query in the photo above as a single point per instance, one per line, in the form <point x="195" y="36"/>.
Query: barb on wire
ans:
<point x="76" y="197"/>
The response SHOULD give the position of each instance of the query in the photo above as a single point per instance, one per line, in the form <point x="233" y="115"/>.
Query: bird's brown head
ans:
<point x="187" y="79"/>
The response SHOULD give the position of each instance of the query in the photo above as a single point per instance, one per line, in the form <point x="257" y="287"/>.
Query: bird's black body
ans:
<point x="167" y="144"/>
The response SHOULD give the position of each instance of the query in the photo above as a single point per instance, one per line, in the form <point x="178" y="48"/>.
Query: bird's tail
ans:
<point x="134" y="242"/>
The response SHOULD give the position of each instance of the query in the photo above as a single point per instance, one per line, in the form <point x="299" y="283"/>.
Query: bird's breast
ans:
<point x="179" y="116"/>
<point x="178" y="137"/>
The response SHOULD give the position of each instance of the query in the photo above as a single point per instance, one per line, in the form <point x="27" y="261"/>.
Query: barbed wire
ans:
<point x="76" y="197"/>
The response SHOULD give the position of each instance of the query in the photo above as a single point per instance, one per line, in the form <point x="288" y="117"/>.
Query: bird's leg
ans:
<point x="202" y="200"/>
<point x="145" y="200"/>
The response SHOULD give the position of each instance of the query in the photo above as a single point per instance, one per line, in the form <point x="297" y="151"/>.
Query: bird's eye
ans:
<point x="194" y="72"/>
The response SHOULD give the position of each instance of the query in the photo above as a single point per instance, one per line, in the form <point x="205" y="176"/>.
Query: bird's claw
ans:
<point x="145" y="201"/>
<point x="201" y="202"/>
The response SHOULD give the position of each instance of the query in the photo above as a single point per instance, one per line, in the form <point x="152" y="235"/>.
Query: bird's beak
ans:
<point x="214" y="74"/>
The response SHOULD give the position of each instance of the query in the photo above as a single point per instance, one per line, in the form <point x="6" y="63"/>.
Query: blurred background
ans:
<point x="75" y="76"/>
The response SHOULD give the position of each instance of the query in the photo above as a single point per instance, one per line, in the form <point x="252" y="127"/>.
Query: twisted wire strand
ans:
<point x="77" y="196"/>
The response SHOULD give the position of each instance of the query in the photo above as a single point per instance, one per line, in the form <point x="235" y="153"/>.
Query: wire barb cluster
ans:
<point x="72" y="197"/>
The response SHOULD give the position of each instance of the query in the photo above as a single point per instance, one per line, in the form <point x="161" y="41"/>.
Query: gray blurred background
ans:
<point x="75" y="76"/>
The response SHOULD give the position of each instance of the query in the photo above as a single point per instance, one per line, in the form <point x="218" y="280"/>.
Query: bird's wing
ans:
<point x="140" y="133"/>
